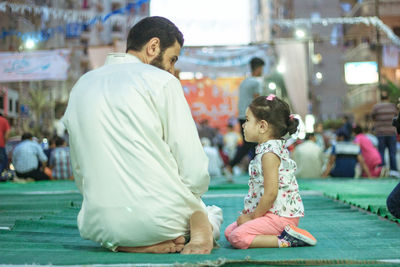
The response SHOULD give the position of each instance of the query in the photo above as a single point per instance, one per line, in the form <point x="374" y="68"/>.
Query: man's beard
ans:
<point x="158" y="61"/>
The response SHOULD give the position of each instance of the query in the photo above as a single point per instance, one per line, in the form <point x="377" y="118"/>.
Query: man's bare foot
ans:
<point x="169" y="246"/>
<point x="201" y="237"/>
<point x="179" y="243"/>
<point x="199" y="245"/>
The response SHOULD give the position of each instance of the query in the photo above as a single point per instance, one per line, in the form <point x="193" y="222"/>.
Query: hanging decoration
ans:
<point x="375" y="21"/>
<point x="88" y="18"/>
<point x="226" y="61"/>
<point x="77" y="18"/>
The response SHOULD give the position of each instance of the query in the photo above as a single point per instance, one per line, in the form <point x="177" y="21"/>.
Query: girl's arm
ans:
<point x="270" y="166"/>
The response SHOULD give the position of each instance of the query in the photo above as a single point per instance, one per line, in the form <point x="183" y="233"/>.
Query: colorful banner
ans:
<point x="33" y="66"/>
<point x="215" y="100"/>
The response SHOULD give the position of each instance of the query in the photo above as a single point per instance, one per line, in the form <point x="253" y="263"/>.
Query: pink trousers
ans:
<point x="270" y="224"/>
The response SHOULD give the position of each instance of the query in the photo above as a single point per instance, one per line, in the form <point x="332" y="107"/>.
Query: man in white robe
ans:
<point x="135" y="152"/>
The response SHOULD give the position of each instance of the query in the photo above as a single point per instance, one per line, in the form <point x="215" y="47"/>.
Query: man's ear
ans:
<point x="263" y="126"/>
<point x="153" y="47"/>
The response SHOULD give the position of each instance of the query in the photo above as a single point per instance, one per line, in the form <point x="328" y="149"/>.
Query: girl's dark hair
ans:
<point x="150" y="27"/>
<point x="277" y="113"/>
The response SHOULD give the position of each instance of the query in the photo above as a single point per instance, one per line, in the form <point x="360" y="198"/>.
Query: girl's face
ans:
<point x="251" y="127"/>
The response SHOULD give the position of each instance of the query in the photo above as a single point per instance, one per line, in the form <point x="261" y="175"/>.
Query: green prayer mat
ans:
<point x="41" y="218"/>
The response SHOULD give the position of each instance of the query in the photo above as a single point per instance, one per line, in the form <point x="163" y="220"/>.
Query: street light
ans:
<point x="29" y="44"/>
<point x="300" y="33"/>
<point x="272" y="86"/>
<point x="281" y="68"/>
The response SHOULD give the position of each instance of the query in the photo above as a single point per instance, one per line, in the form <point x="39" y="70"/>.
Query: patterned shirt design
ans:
<point x="60" y="163"/>
<point x="288" y="202"/>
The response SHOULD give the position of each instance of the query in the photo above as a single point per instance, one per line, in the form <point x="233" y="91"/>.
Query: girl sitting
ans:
<point x="273" y="206"/>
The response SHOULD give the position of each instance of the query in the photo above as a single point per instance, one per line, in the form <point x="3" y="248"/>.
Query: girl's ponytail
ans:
<point x="293" y="123"/>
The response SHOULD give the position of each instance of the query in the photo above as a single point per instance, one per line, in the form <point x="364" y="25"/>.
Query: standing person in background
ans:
<point x="4" y="133"/>
<point x="347" y="128"/>
<point x="309" y="158"/>
<point x="249" y="89"/>
<point x="382" y="115"/>
<point x="205" y="130"/>
<point x="319" y="135"/>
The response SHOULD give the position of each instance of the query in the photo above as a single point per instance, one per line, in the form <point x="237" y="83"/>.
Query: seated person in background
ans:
<point x="370" y="154"/>
<point x="231" y="141"/>
<point x="50" y="148"/>
<point x="26" y="157"/>
<point x="215" y="163"/>
<point x="393" y="200"/>
<point x="60" y="161"/>
<point x="344" y="157"/>
<point x="309" y="158"/>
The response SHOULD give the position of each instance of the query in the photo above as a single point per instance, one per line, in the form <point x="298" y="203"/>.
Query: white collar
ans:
<point x="118" y="58"/>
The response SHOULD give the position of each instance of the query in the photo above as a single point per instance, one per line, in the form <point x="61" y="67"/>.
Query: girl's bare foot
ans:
<point x="169" y="246"/>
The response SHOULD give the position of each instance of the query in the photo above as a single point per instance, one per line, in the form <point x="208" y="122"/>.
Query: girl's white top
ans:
<point x="288" y="203"/>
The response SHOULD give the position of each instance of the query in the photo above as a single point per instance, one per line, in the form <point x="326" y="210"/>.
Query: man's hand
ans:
<point x="244" y="218"/>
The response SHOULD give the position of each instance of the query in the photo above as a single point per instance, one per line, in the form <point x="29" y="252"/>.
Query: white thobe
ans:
<point x="136" y="154"/>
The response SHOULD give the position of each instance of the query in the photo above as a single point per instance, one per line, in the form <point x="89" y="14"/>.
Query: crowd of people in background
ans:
<point x="349" y="150"/>
<point x="27" y="158"/>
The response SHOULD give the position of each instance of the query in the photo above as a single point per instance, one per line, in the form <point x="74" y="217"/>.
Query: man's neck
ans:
<point x="139" y="55"/>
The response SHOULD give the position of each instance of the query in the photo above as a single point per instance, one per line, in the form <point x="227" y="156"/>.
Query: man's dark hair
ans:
<point x="59" y="141"/>
<point x="150" y="27"/>
<point x="26" y="136"/>
<point x="384" y="95"/>
<point x="357" y="129"/>
<point x="341" y="133"/>
<point x="309" y="135"/>
<point x="256" y="62"/>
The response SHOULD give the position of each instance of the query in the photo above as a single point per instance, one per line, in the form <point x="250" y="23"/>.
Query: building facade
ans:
<point x="331" y="46"/>
<point x="368" y="43"/>
<point x="76" y="25"/>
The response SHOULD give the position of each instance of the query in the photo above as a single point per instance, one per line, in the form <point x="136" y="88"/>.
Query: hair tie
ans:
<point x="271" y="97"/>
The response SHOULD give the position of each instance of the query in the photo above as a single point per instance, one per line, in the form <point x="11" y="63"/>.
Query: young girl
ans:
<point x="273" y="206"/>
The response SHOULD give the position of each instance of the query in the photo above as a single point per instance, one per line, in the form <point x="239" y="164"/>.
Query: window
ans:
<point x="10" y="105"/>
<point x="396" y="31"/>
